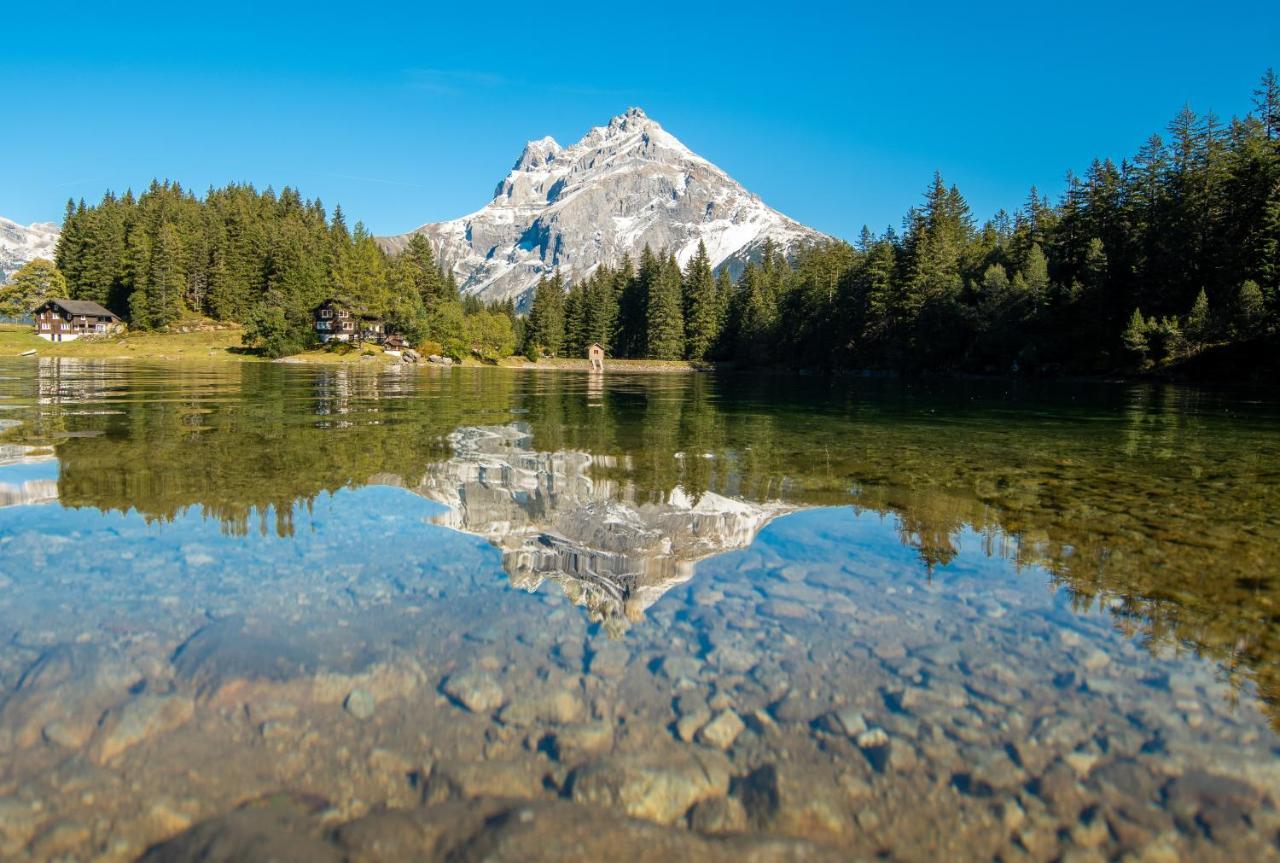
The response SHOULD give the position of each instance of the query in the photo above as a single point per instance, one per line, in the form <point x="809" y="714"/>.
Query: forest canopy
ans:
<point x="1167" y="254"/>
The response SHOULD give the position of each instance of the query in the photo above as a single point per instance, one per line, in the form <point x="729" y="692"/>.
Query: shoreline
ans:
<point x="221" y="345"/>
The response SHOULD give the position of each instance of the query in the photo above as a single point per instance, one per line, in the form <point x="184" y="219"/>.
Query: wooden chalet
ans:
<point x="340" y="321"/>
<point x="68" y="320"/>
<point x="595" y="354"/>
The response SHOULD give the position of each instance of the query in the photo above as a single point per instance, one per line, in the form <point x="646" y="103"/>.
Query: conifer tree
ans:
<point x="701" y="306"/>
<point x="664" y="317"/>
<point x="167" y="279"/>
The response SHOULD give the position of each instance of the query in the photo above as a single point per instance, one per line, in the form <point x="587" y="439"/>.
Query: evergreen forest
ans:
<point x="1154" y="261"/>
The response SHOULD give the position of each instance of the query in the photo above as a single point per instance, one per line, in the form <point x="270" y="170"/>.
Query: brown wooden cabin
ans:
<point x="337" y="320"/>
<point x="68" y="320"/>
<point x="395" y="342"/>
<point x="595" y="354"/>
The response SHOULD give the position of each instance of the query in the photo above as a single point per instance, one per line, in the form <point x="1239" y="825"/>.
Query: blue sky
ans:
<point x="835" y="114"/>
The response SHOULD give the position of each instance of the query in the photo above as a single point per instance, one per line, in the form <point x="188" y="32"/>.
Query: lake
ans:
<point x="261" y="611"/>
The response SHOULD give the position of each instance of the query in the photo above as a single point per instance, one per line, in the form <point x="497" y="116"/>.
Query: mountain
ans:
<point x="623" y="186"/>
<point x="19" y="244"/>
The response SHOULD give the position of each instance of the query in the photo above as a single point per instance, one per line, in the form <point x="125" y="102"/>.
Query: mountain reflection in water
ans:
<point x="1153" y="507"/>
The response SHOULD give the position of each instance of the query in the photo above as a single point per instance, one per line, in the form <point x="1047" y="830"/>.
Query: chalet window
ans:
<point x="343" y="313"/>
<point x="326" y="313"/>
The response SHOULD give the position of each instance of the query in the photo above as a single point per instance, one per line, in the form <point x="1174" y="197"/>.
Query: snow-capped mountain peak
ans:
<point x="624" y="185"/>
<point x="20" y="244"/>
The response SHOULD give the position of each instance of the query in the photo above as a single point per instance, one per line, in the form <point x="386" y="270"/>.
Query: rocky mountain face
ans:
<point x="625" y="185"/>
<point x="20" y="244"/>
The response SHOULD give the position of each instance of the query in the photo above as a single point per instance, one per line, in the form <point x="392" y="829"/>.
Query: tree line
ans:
<point x="1153" y="260"/>
<point x="262" y="259"/>
<point x="1140" y="263"/>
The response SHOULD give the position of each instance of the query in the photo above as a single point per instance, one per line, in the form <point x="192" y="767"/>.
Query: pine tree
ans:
<point x="664" y="316"/>
<point x="1135" y="337"/>
<point x="166" y="280"/>
<point x="1266" y="101"/>
<point x="1250" y="309"/>
<point x="546" y="316"/>
<point x="701" y="306"/>
<point x="1198" y="324"/>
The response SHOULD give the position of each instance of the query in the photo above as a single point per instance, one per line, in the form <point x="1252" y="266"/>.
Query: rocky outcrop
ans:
<point x="624" y="186"/>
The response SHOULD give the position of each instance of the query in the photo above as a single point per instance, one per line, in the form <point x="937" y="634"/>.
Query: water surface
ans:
<point x="462" y="614"/>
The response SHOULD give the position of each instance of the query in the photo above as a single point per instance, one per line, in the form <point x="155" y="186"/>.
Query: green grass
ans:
<point x="220" y="345"/>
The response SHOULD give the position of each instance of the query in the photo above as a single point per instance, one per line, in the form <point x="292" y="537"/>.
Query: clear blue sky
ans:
<point x="835" y="114"/>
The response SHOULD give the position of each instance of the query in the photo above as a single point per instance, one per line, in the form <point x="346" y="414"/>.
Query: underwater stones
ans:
<point x="140" y="718"/>
<point x="1222" y="804"/>
<point x="68" y="687"/>
<point x="69" y="733"/>
<point x="582" y="740"/>
<point x="451" y="780"/>
<point x="551" y="831"/>
<point x="688" y="725"/>
<point x="872" y="738"/>
<point x="474" y="689"/>
<point x="996" y="770"/>
<point x="722" y="731"/>
<point x="655" y="786"/>
<point x="360" y="703"/>
<point x="277" y="834"/>
<point x="674" y="667"/>
<point x="797" y="800"/>
<point x="733" y="658"/>
<point x="784" y="609"/>
<point x="718" y="815"/>
<point x="548" y="705"/>
<point x="19" y="821"/>
<point x="609" y="659"/>
<point x="1095" y="660"/>
<point x="847" y="721"/>
<point x="799" y="706"/>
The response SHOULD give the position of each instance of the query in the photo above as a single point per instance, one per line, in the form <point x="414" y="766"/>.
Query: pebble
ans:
<point x="872" y="738"/>
<point x="688" y="725"/>
<point x="722" y="731"/>
<point x="360" y="704"/>
<point x="475" y="690"/>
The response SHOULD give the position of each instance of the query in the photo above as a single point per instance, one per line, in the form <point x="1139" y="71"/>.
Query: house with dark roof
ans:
<point x="68" y="320"/>
<point x="339" y="321"/>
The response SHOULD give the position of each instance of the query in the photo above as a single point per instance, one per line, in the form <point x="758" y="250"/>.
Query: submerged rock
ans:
<point x="143" y="717"/>
<point x="794" y="800"/>
<point x="581" y="740"/>
<point x="475" y="689"/>
<point x="454" y="780"/>
<point x="654" y="786"/>
<point x="722" y="731"/>
<point x="551" y="706"/>
<point x="360" y="703"/>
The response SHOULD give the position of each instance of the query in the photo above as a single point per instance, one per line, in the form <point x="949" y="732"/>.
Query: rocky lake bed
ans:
<point x="439" y="669"/>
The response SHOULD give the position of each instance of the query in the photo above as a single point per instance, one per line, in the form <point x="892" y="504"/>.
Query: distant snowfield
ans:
<point x="624" y="186"/>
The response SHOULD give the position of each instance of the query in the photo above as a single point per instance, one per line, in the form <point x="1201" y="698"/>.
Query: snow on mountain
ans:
<point x="20" y="244"/>
<point x="623" y="186"/>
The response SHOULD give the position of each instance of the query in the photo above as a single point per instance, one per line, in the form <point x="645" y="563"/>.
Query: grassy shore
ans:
<point x="223" y="344"/>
